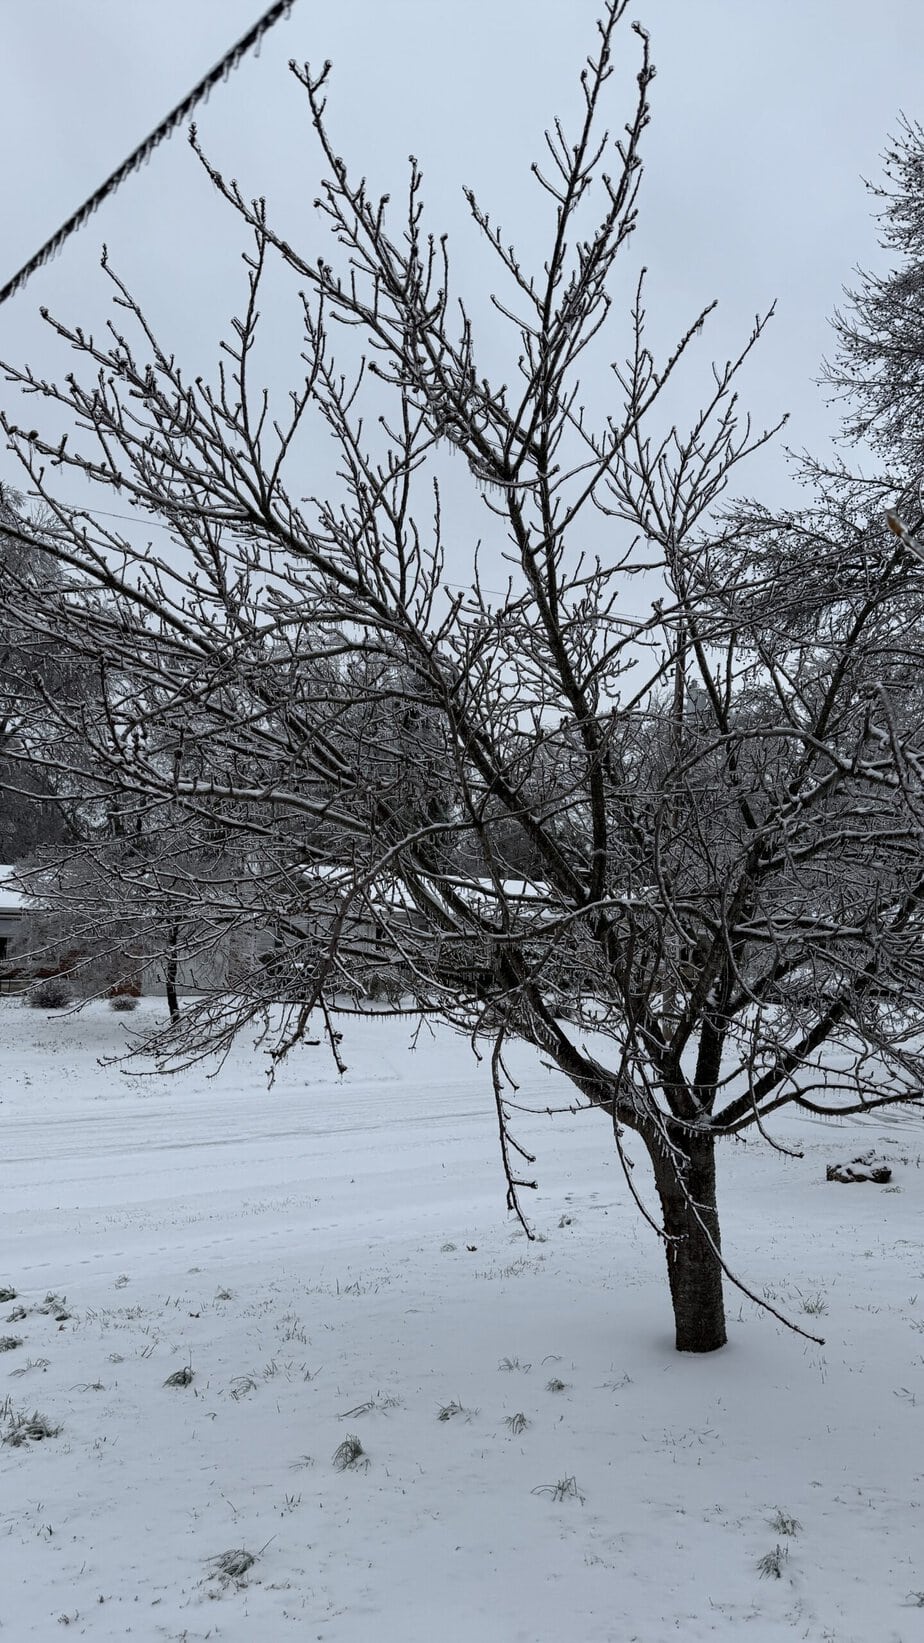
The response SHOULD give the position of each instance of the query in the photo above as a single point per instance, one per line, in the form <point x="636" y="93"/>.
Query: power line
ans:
<point x="221" y="71"/>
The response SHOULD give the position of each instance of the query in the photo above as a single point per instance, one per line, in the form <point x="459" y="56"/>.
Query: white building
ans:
<point x="12" y="913"/>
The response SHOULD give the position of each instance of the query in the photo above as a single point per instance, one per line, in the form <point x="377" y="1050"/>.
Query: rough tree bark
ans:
<point x="684" y="1170"/>
<point x="171" y="967"/>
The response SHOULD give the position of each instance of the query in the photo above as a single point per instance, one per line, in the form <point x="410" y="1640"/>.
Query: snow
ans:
<point x="333" y="1244"/>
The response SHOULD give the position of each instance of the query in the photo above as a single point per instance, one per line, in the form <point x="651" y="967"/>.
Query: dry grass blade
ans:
<point x="360" y="1409"/>
<point x="379" y="1405"/>
<point x="564" y="1489"/>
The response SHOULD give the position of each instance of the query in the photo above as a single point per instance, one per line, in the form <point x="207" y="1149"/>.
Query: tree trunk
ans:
<point x="170" y="975"/>
<point x="693" y="1268"/>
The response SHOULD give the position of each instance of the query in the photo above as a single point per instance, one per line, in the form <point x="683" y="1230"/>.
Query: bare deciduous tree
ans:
<point x="653" y="809"/>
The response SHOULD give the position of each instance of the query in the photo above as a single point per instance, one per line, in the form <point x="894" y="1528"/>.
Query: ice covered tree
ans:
<point x="33" y="808"/>
<point x="878" y="364"/>
<point x="653" y="808"/>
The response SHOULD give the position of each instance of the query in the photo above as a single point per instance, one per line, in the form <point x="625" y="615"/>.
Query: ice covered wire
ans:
<point x="143" y="152"/>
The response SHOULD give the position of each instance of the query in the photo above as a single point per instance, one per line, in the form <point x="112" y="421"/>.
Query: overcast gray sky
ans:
<point x="767" y="114"/>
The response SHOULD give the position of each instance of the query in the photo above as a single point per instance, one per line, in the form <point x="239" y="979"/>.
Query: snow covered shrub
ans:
<point x="123" y="1001"/>
<point x="50" y="993"/>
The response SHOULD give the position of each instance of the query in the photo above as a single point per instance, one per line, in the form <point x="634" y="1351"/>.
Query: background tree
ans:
<point x="878" y="365"/>
<point x="654" y="809"/>
<point x="33" y="809"/>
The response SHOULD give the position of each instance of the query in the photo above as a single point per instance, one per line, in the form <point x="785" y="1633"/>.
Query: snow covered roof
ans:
<point x="12" y="899"/>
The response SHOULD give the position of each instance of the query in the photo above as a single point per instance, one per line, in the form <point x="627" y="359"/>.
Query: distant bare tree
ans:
<point x="654" y="809"/>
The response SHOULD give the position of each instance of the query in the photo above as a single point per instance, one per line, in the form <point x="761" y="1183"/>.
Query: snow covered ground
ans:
<point x="331" y="1259"/>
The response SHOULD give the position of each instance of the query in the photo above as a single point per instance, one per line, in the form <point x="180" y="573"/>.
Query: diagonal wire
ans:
<point x="221" y="71"/>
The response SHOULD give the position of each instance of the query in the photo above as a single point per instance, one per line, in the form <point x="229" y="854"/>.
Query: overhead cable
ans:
<point x="221" y="71"/>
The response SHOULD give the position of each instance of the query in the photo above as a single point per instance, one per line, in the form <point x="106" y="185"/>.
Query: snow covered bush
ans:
<point x="50" y="993"/>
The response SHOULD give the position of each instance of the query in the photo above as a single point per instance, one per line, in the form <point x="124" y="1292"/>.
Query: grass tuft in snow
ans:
<point x="9" y="1343"/>
<point x="181" y="1377"/>
<point x="784" y="1524"/>
<point x="617" y="1382"/>
<point x="18" y="1427"/>
<point x="291" y="1328"/>
<point x="7" y="1293"/>
<point x="350" y="1454"/>
<point x="233" y="1565"/>
<point x="509" y="1365"/>
<point x="55" y="1306"/>
<point x="30" y="1363"/>
<point x="770" y="1566"/>
<point x="516" y="1424"/>
<point x="815" y="1305"/>
<point x="511" y="1269"/>
<point x="564" y="1489"/>
<point x="448" y="1411"/>
<point x="556" y="1385"/>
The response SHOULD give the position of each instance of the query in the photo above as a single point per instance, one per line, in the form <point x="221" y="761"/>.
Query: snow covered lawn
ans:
<point x="332" y="1259"/>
